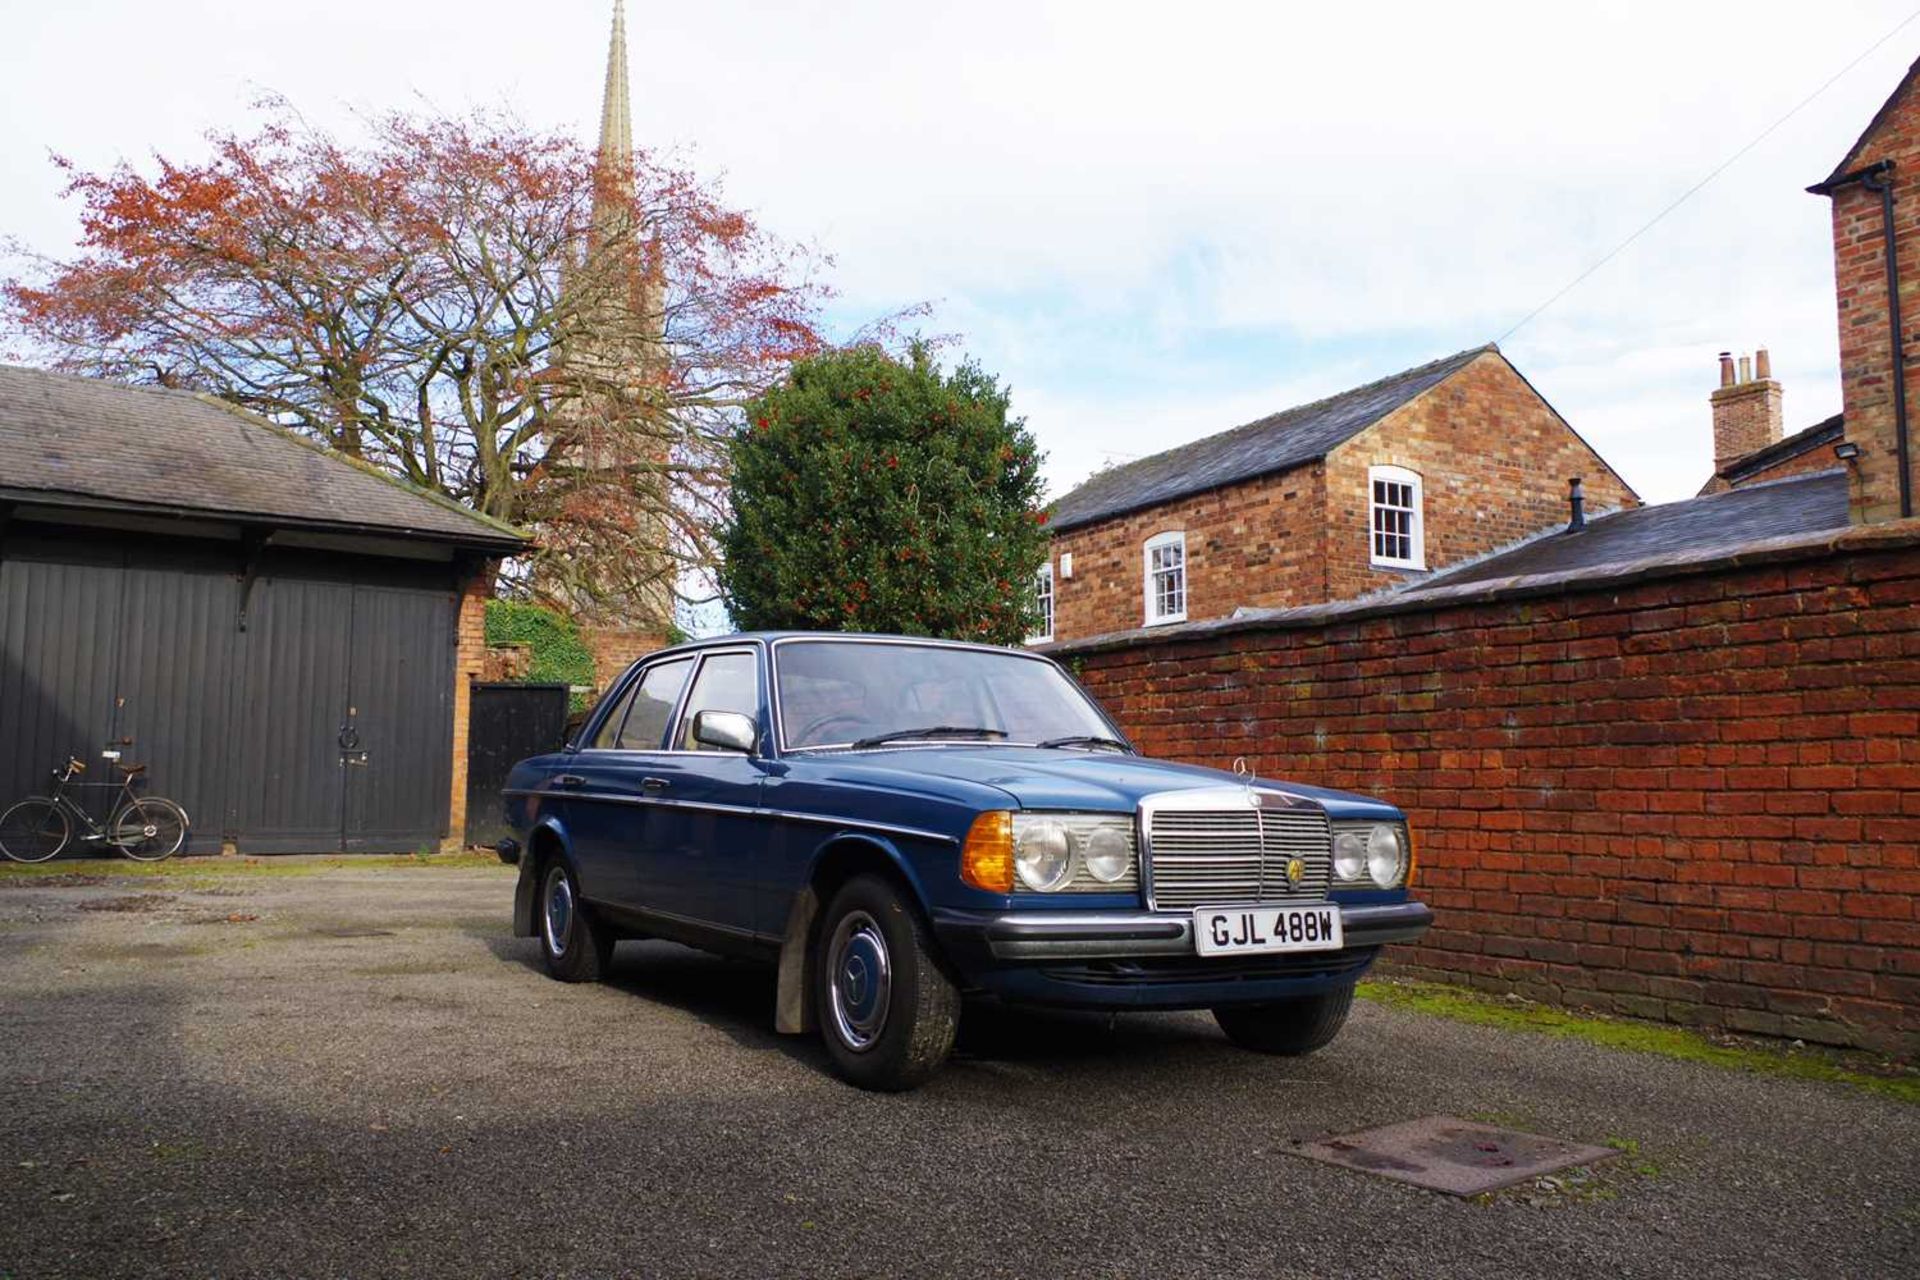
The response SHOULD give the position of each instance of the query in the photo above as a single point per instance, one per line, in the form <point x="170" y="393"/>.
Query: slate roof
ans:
<point x="66" y="440"/>
<point x="1705" y="525"/>
<point x="1270" y="445"/>
<point x="1829" y="432"/>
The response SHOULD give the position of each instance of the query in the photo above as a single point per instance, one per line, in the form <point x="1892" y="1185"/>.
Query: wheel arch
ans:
<point x="838" y="859"/>
<point x="545" y="842"/>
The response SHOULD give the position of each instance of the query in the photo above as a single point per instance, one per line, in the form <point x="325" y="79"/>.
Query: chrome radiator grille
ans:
<point x="1217" y="857"/>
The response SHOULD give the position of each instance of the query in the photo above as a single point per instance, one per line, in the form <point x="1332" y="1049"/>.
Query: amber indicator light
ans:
<point x="986" y="859"/>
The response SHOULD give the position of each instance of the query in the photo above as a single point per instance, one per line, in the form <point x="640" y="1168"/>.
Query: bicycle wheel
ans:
<point x="149" y="829"/>
<point x="34" y="830"/>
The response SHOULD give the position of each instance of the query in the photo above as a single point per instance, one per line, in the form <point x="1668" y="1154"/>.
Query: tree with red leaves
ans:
<point x="476" y="308"/>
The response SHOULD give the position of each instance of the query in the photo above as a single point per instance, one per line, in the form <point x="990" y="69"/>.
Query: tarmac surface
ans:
<point x="356" y="1072"/>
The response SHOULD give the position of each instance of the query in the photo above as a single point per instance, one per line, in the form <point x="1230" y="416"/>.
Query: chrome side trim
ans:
<point x="745" y="811"/>
<point x="861" y="824"/>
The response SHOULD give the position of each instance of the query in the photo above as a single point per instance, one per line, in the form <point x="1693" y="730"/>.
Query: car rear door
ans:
<point x="612" y="780"/>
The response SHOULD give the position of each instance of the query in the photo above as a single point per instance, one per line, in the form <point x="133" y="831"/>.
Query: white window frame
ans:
<point x="1043" y="578"/>
<point x="1160" y="541"/>
<point x="1416" y="509"/>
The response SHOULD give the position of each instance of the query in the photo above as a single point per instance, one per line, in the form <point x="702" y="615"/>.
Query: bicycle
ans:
<point x="145" y="828"/>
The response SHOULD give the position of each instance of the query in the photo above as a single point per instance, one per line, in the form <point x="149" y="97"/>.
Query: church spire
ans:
<point x="616" y="112"/>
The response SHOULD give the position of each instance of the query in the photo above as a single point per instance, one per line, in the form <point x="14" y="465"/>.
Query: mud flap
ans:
<point x="792" y="1009"/>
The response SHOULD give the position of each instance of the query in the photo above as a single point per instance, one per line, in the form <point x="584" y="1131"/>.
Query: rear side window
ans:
<point x="642" y="723"/>
<point x="728" y="682"/>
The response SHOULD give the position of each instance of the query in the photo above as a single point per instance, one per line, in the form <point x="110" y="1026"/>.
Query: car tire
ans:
<point x="1288" y="1027"/>
<point x="887" y="1012"/>
<point x="576" y="947"/>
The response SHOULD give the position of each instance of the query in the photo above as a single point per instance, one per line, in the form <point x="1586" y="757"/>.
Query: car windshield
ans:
<point x="840" y="692"/>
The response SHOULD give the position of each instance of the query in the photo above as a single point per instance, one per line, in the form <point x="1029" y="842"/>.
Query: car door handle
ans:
<point x="568" y="780"/>
<point x="655" y="784"/>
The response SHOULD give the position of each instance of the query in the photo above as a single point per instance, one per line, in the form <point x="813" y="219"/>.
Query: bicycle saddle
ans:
<point x="131" y="770"/>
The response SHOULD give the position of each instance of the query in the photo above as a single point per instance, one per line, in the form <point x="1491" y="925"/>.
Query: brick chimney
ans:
<point x="1746" y="408"/>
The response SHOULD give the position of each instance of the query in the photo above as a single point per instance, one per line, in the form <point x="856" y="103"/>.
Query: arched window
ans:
<point x="1396" y="521"/>
<point x="1165" y="558"/>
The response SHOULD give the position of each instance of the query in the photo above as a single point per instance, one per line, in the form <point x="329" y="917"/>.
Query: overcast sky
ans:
<point x="1156" y="221"/>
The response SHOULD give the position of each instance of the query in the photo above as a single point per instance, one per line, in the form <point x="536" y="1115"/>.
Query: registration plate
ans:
<point x="1219" y="931"/>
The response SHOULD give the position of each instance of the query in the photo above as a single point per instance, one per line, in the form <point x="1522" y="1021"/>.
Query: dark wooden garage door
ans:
<point x="347" y="739"/>
<point x="325" y="725"/>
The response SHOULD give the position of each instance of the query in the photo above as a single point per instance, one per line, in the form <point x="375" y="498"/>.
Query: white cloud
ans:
<point x="1153" y="222"/>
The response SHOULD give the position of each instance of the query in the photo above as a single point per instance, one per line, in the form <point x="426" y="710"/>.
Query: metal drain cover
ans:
<point x="1442" y="1153"/>
<point x="354" y="933"/>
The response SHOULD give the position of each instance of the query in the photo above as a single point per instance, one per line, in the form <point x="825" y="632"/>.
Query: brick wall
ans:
<point x="506" y="662"/>
<point x="1494" y="460"/>
<point x="1692" y="796"/>
<point x="469" y="664"/>
<point x="615" y="649"/>
<point x="1860" y="283"/>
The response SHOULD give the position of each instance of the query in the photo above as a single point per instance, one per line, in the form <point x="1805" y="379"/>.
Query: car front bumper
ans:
<point x="1147" y="960"/>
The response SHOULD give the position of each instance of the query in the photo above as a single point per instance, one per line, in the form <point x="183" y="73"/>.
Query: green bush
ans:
<point x="559" y="655"/>
<point x="875" y="494"/>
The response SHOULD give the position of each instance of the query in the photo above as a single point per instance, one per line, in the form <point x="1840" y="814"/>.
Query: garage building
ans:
<point x="286" y="636"/>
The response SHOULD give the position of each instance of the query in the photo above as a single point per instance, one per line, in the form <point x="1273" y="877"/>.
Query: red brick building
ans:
<point x="1875" y="191"/>
<point x="1372" y="488"/>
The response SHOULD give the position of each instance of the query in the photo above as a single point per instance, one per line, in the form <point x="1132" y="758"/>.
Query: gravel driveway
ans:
<point x="357" y="1072"/>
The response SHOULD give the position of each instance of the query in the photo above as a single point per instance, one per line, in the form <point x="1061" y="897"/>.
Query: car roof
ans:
<point x="774" y="637"/>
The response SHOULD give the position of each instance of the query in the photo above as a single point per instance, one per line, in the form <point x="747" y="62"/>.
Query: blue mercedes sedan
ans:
<point x="903" y="824"/>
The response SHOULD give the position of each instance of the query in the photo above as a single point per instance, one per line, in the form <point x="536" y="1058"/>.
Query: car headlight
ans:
<point x="1042" y="855"/>
<point x="1350" y="853"/>
<point x="1386" y="855"/>
<point x="1370" y="851"/>
<point x="1107" y="854"/>
<point x="1074" y="852"/>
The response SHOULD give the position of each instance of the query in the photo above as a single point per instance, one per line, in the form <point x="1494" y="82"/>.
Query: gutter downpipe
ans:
<point x="1876" y="178"/>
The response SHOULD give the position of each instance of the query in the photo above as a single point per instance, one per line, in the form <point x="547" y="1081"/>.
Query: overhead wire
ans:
<point x="1715" y="172"/>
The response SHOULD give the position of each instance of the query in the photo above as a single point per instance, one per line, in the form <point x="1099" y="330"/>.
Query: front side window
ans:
<point x="1166" y="581"/>
<point x="727" y="682"/>
<point x="1396" y="523"/>
<point x="1043" y="590"/>
<point x="639" y="722"/>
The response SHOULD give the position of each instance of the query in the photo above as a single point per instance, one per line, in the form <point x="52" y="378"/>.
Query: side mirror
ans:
<point x="728" y="730"/>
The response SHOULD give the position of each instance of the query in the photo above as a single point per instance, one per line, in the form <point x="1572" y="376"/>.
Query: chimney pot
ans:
<point x="1746" y="408"/>
<point x="1577" y="505"/>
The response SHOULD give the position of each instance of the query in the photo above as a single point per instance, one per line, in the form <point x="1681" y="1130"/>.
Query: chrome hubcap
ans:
<point x="860" y="980"/>
<point x="559" y="910"/>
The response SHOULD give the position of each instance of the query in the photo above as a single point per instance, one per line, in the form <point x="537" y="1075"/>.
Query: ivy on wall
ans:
<point x="559" y="655"/>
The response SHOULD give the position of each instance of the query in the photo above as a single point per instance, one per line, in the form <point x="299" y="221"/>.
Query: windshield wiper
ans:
<point x="931" y="731"/>
<point x="1085" y="740"/>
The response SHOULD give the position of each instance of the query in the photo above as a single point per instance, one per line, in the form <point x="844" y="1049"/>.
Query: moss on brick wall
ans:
<point x="560" y="656"/>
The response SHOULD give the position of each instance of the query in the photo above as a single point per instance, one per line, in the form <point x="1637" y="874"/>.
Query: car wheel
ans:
<point x="575" y="945"/>
<point x="1290" y="1027"/>
<point x="886" y="1011"/>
